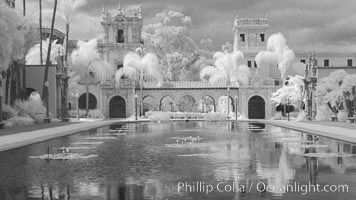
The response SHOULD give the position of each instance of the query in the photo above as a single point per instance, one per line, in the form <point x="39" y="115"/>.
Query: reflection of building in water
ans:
<point x="273" y="165"/>
<point x="313" y="167"/>
<point x="134" y="189"/>
<point x="341" y="164"/>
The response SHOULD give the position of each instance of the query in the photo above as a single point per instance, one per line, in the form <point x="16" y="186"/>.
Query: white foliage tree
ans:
<point x="11" y="43"/>
<point x="88" y="65"/>
<point x="278" y="53"/>
<point x="138" y="68"/>
<point x="335" y="90"/>
<point x="169" y="38"/>
<point x="33" y="56"/>
<point x="228" y="69"/>
<point x="292" y="93"/>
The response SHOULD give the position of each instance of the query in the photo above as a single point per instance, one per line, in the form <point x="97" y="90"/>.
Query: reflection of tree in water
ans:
<point x="279" y="175"/>
<point x="187" y="104"/>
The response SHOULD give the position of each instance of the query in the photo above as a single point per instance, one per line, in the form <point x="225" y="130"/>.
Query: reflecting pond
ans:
<point x="181" y="160"/>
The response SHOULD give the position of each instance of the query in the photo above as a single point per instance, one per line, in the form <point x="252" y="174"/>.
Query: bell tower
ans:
<point x="250" y="33"/>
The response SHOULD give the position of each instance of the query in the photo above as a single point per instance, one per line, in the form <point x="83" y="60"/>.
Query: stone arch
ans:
<point x="117" y="107"/>
<point x="256" y="107"/>
<point x="222" y="104"/>
<point x="167" y="103"/>
<point x="149" y="103"/>
<point x="92" y="101"/>
<point x="206" y="104"/>
<point x="187" y="103"/>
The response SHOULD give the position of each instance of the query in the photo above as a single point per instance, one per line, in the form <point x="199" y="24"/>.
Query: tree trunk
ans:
<point x="10" y="84"/>
<point x="141" y="88"/>
<point x="347" y="107"/>
<point x="7" y="85"/>
<point x="87" y="98"/>
<point x="1" y="126"/>
<point x="24" y="7"/>
<point x="24" y="82"/>
<point x="67" y="39"/>
<point x="332" y="108"/>
<point x="48" y="62"/>
<point x="1" y="93"/>
<point x="41" y="54"/>
<point x="228" y="100"/>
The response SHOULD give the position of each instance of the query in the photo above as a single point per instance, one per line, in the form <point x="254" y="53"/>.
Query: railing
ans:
<point x="125" y="83"/>
<point x="186" y="85"/>
<point x="251" y="21"/>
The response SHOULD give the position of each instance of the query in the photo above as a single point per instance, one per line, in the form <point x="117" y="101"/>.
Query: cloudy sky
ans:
<point x="303" y="22"/>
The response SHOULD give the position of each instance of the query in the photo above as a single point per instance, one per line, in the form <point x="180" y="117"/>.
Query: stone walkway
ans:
<point x="33" y="127"/>
<point x="335" y="132"/>
<point x="334" y="124"/>
<point x="30" y="137"/>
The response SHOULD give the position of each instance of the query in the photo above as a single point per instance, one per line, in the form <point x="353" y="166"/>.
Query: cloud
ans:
<point x="311" y="22"/>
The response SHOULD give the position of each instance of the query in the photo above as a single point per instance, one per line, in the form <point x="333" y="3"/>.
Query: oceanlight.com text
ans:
<point x="296" y="187"/>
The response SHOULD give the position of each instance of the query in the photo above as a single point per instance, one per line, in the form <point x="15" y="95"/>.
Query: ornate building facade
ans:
<point x="122" y="34"/>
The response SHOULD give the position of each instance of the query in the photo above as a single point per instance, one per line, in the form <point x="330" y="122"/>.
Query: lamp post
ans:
<point x="136" y="106"/>
<point x="77" y="98"/>
<point x="86" y="95"/>
<point x="228" y="101"/>
<point x="171" y="103"/>
<point x="236" y="107"/>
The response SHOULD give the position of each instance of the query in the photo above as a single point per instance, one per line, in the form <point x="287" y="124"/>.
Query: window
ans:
<point x="255" y="64"/>
<point x="249" y="64"/>
<point x="302" y="61"/>
<point x="262" y="37"/>
<point x="349" y="62"/>
<point x="326" y="62"/>
<point x="120" y="36"/>
<point x="242" y="37"/>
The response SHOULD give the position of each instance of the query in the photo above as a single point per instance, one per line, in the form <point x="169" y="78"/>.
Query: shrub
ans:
<point x="33" y="107"/>
<point x="91" y="114"/>
<point x="215" y="117"/>
<point x="9" y="111"/>
<point x="160" y="117"/>
<point x="21" y="121"/>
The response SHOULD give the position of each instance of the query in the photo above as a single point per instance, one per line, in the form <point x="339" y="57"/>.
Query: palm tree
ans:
<point x="277" y="54"/>
<point x="45" y="86"/>
<point x="11" y="44"/>
<point x="40" y="19"/>
<point x="24" y="7"/>
<point x="136" y="67"/>
<point x="87" y="64"/>
<point x="228" y="69"/>
<point x="68" y="13"/>
<point x="33" y="57"/>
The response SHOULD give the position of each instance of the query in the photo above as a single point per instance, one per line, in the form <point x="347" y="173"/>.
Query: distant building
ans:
<point x="35" y="75"/>
<point x="122" y="34"/>
<point x="250" y="37"/>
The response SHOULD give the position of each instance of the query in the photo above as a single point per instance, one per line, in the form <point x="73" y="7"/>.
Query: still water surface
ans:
<point x="151" y="161"/>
